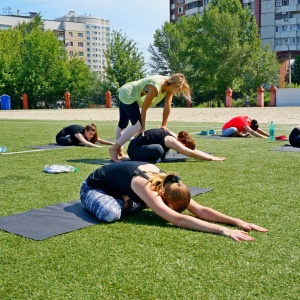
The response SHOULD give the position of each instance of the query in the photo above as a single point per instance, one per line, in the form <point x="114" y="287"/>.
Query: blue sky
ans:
<point x="138" y="19"/>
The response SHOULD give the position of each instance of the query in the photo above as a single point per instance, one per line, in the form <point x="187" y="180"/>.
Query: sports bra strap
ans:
<point x="143" y="173"/>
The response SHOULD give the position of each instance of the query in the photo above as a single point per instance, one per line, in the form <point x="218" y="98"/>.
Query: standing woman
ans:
<point x="145" y="93"/>
<point x="155" y="143"/>
<point x="110" y="190"/>
<point x="78" y="135"/>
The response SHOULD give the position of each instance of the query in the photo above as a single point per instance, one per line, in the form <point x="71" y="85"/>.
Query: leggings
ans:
<point x="129" y="112"/>
<point x="105" y="207"/>
<point x="148" y="153"/>
<point x="294" y="138"/>
<point x="63" y="140"/>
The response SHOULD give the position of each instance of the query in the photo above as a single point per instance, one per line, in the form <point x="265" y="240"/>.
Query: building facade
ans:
<point x="86" y="36"/>
<point x="278" y="23"/>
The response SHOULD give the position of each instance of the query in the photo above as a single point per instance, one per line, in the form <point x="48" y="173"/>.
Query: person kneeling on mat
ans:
<point x="110" y="191"/>
<point x="155" y="144"/>
<point x="78" y="135"/>
<point x="242" y="126"/>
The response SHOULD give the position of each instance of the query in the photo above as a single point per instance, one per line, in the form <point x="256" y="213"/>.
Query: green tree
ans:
<point x="296" y="70"/>
<point x="10" y="65"/>
<point x="124" y="61"/>
<point x="81" y="82"/>
<point x="26" y="27"/>
<point x="44" y="74"/>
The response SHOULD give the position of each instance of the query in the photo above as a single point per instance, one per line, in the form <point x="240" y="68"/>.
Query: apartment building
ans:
<point x="278" y="23"/>
<point x="87" y="36"/>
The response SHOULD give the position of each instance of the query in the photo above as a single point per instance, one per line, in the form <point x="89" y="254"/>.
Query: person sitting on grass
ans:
<point x="242" y="126"/>
<point x="155" y="144"/>
<point x="122" y="188"/>
<point x="77" y="135"/>
<point x="294" y="137"/>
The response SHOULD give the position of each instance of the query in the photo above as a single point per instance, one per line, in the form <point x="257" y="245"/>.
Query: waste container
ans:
<point x="5" y="102"/>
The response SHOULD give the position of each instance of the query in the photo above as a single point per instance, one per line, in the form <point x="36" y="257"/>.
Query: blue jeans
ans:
<point x="105" y="207"/>
<point x="229" y="131"/>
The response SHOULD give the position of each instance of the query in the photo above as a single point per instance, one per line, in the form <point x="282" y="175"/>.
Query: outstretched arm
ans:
<point x="156" y="203"/>
<point x="85" y="142"/>
<point x="167" y="109"/>
<point x="172" y="143"/>
<point x="255" y="133"/>
<point x="152" y="92"/>
<point x="209" y="214"/>
<point x="104" y="142"/>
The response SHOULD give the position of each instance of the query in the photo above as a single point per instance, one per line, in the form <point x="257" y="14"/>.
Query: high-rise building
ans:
<point x="278" y="23"/>
<point x="86" y="36"/>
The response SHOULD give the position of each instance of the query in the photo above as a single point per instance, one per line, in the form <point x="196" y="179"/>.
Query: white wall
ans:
<point x="288" y="97"/>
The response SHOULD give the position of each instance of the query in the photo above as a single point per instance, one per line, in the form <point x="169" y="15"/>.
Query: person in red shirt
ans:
<point x="242" y="126"/>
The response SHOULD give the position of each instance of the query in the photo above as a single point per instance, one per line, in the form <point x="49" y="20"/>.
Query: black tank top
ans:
<point x="115" y="179"/>
<point x="152" y="136"/>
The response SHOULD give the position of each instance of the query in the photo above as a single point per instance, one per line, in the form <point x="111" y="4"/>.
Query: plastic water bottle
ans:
<point x="272" y="131"/>
<point x="3" y="149"/>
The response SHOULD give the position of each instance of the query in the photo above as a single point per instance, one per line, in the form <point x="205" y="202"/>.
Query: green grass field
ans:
<point x="142" y="256"/>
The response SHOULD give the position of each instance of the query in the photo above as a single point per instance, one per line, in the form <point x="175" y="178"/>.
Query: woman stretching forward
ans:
<point x="155" y="144"/>
<point x="112" y="189"/>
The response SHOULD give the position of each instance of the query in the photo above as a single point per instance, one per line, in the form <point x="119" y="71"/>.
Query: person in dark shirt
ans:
<point x="294" y="137"/>
<point x="155" y="144"/>
<point x="78" y="135"/>
<point x="111" y="190"/>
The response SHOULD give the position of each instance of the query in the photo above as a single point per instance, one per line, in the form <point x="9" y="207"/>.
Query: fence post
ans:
<point x="67" y="99"/>
<point x="273" y="95"/>
<point x="25" y="101"/>
<point x="108" y="99"/>
<point x="229" y="97"/>
<point x="260" y="96"/>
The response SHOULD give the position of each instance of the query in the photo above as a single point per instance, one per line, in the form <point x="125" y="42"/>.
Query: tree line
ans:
<point x="217" y="50"/>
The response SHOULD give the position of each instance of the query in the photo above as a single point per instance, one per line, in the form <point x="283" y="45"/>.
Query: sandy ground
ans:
<point x="280" y="115"/>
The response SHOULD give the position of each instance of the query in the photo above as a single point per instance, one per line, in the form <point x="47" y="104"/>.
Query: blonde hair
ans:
<point x="180" y="85"/>
<point x="176" y="195"/>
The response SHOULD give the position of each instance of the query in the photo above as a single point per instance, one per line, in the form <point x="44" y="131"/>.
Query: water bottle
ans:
<point x="3" y="149"/>
<point x="272" y="131"/>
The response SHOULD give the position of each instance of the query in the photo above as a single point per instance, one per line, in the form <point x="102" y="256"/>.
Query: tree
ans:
<point x="124" y="61"/>
<point x="296" y="70"/>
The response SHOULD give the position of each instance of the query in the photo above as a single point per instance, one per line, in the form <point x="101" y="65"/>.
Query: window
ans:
<point x="70" y="34"/>
<point x="277" y="16"/>
<point x="285" y="2"/>
<point x="71" y="44"/>
<point x="80" y="54"/>
<point x="277" y="28"/>
<point x="80" y="44"/>
<point x="71" y="53"/>
<point x="179" y="1"/>
<point x="88" y="32"/>
<point x="180" y="10"/>
<point x="80" y="35"/>
<point x="278" y="3"/>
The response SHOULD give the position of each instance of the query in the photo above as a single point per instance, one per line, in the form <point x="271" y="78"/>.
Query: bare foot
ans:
<point x="114" y="154"/>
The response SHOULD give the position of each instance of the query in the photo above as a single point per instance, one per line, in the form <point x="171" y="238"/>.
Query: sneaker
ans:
<point x="133" y="207"/>
<point x="281" y="138"/>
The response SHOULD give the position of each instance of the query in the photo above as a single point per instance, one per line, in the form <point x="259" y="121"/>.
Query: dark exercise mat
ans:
<point x="171" y="157"/>
<point x="286" y="148"/>
<point x="220" y="137"/>
<point x="42" y="223"/>
<point x="49" y="147"/>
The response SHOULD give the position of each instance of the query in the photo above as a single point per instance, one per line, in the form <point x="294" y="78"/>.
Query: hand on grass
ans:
<point x="249" y="226"/>
<point x="238" y="235"/>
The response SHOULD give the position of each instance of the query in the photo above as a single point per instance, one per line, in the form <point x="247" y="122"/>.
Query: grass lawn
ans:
<point x="142" y="256"/>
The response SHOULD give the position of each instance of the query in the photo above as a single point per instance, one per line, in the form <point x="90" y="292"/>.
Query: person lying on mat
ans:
<point x="294" y="137"/>
<point x="242" y="126"/>
<point x="155" y="144"/>
<point x="78" y="135"/>
<point x="117" y="189"/>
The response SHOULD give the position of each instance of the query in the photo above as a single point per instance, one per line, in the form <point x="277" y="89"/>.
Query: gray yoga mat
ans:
<point x="219" y="137"/>
<point x="171" y="157"/>
<point x="42" y="223"/>
<point x="49" y="147"/>
<point x="286" y="148"/>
